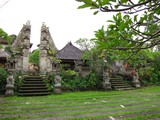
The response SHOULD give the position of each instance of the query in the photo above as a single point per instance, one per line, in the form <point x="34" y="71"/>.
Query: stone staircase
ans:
<point x="117" y="83"/>
<point x="33" y="86"/>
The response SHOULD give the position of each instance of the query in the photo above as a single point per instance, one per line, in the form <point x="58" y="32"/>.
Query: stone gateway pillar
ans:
<point x="25" y="60"/>
<point x="21" y="49"/>
<point x="43" y="50"/>
<point x="47" y="47"/>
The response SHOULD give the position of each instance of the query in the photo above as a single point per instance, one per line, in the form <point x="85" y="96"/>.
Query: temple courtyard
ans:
<point x="137" y="104"/>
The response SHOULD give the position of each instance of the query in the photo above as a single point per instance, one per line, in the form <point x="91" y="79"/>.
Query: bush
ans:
<point x="3" y="77"/>
<point x="17" y="82"/>
<point x="90" y="82"/>
<point x="50" y="81"/>
<point x="150" y="72"/>
<point x="34" y="57"/>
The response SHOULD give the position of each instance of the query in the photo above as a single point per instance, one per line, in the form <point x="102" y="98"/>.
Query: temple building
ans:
<point x="71" y="57"/>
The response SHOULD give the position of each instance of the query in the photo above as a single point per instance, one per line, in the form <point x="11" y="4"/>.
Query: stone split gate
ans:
<point x="19" y="60"/>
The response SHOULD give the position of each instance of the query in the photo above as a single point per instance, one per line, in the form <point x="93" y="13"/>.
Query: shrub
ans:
<point x="50" y="81"/>
<point x="34" y="57"/>
<point x="17" y="82"/>
<point x="3" y="77"/>
<point x="75" y="82"/>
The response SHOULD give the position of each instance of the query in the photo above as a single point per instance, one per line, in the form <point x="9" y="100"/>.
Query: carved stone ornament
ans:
<point x="136" y="82"/>
<point x="25" y="52"/>
<point x="106" y="80"/>
<point x="57" y="85"/>
<point x="10" y="86"/>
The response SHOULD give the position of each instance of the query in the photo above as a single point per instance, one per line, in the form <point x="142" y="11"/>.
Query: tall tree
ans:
<point x="91" y="54"/>
<point x="136" y="25"/>
<point x="4" y="36"/>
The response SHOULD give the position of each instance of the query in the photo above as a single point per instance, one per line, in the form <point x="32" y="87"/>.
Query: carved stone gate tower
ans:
<point x="21" y="48"/>
<point x="47" y="50"/>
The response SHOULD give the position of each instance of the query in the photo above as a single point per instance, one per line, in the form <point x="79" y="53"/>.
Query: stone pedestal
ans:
<point x="107" y="86"/>
<point x="9" y="90"/>
<point x="57" y="89"/>
<point x="57" y="85"/>
<point x="136" y="84"/>
<point x="106" y="80"/>
<point x="10" y="86"/>
<point x="135" y="81"/>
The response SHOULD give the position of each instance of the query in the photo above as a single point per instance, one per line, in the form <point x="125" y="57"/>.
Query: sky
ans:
<point x="66" y="23"/>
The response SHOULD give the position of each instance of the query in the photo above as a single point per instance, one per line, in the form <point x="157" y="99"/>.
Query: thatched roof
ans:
<point x="3" y="54"/>
<point x="3" y="41"/>
<point x="70" y="52"/>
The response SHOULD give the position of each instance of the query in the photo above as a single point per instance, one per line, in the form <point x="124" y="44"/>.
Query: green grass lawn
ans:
<point x="136" y="104"/>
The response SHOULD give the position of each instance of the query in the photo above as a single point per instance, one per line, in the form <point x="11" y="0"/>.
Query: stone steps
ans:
<point x="34" y="94"/>
<point x="35" y="90"/>
<point x="33" y="86"/>
<point x="33" y="82"/>
<point x="117" y="83"/>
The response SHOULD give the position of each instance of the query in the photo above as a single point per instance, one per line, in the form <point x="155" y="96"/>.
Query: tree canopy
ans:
<point x="135" y="26"/>
<point x="3" y="34"/>
<point x="34" y="57"/>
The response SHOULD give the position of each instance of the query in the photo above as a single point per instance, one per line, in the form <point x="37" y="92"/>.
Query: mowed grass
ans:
<point x="138" y="104"/>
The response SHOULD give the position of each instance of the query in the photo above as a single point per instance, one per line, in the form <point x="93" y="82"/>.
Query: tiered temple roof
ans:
<point x="2" y="41"/>
<point x="69" y="52"/>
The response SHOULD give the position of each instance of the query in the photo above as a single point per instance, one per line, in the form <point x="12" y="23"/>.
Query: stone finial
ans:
<point x="28" y="23"/>
<point x="44" y="27"/>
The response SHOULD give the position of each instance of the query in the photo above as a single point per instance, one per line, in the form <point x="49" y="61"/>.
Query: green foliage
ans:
<point x="129" y="31"/>
<point x="3" y="77"/>
<point x="70" y="73"/>
<point x="34" y="57"/>
<point x="148" y="66"/>
<point x="1" y="46"/>
<point x="73" y="82"/>
<point x="18" y="80"/>
<point x="92" y="56"/>
<point x="85" y="44"/>
<point x="133" y="28"/>
<point x="52" y="53"/>
<point x="4" y="35"/>
<point x="50" y="81"/>
<point x="141" y="59"/>
<point x="12" y="38"/>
